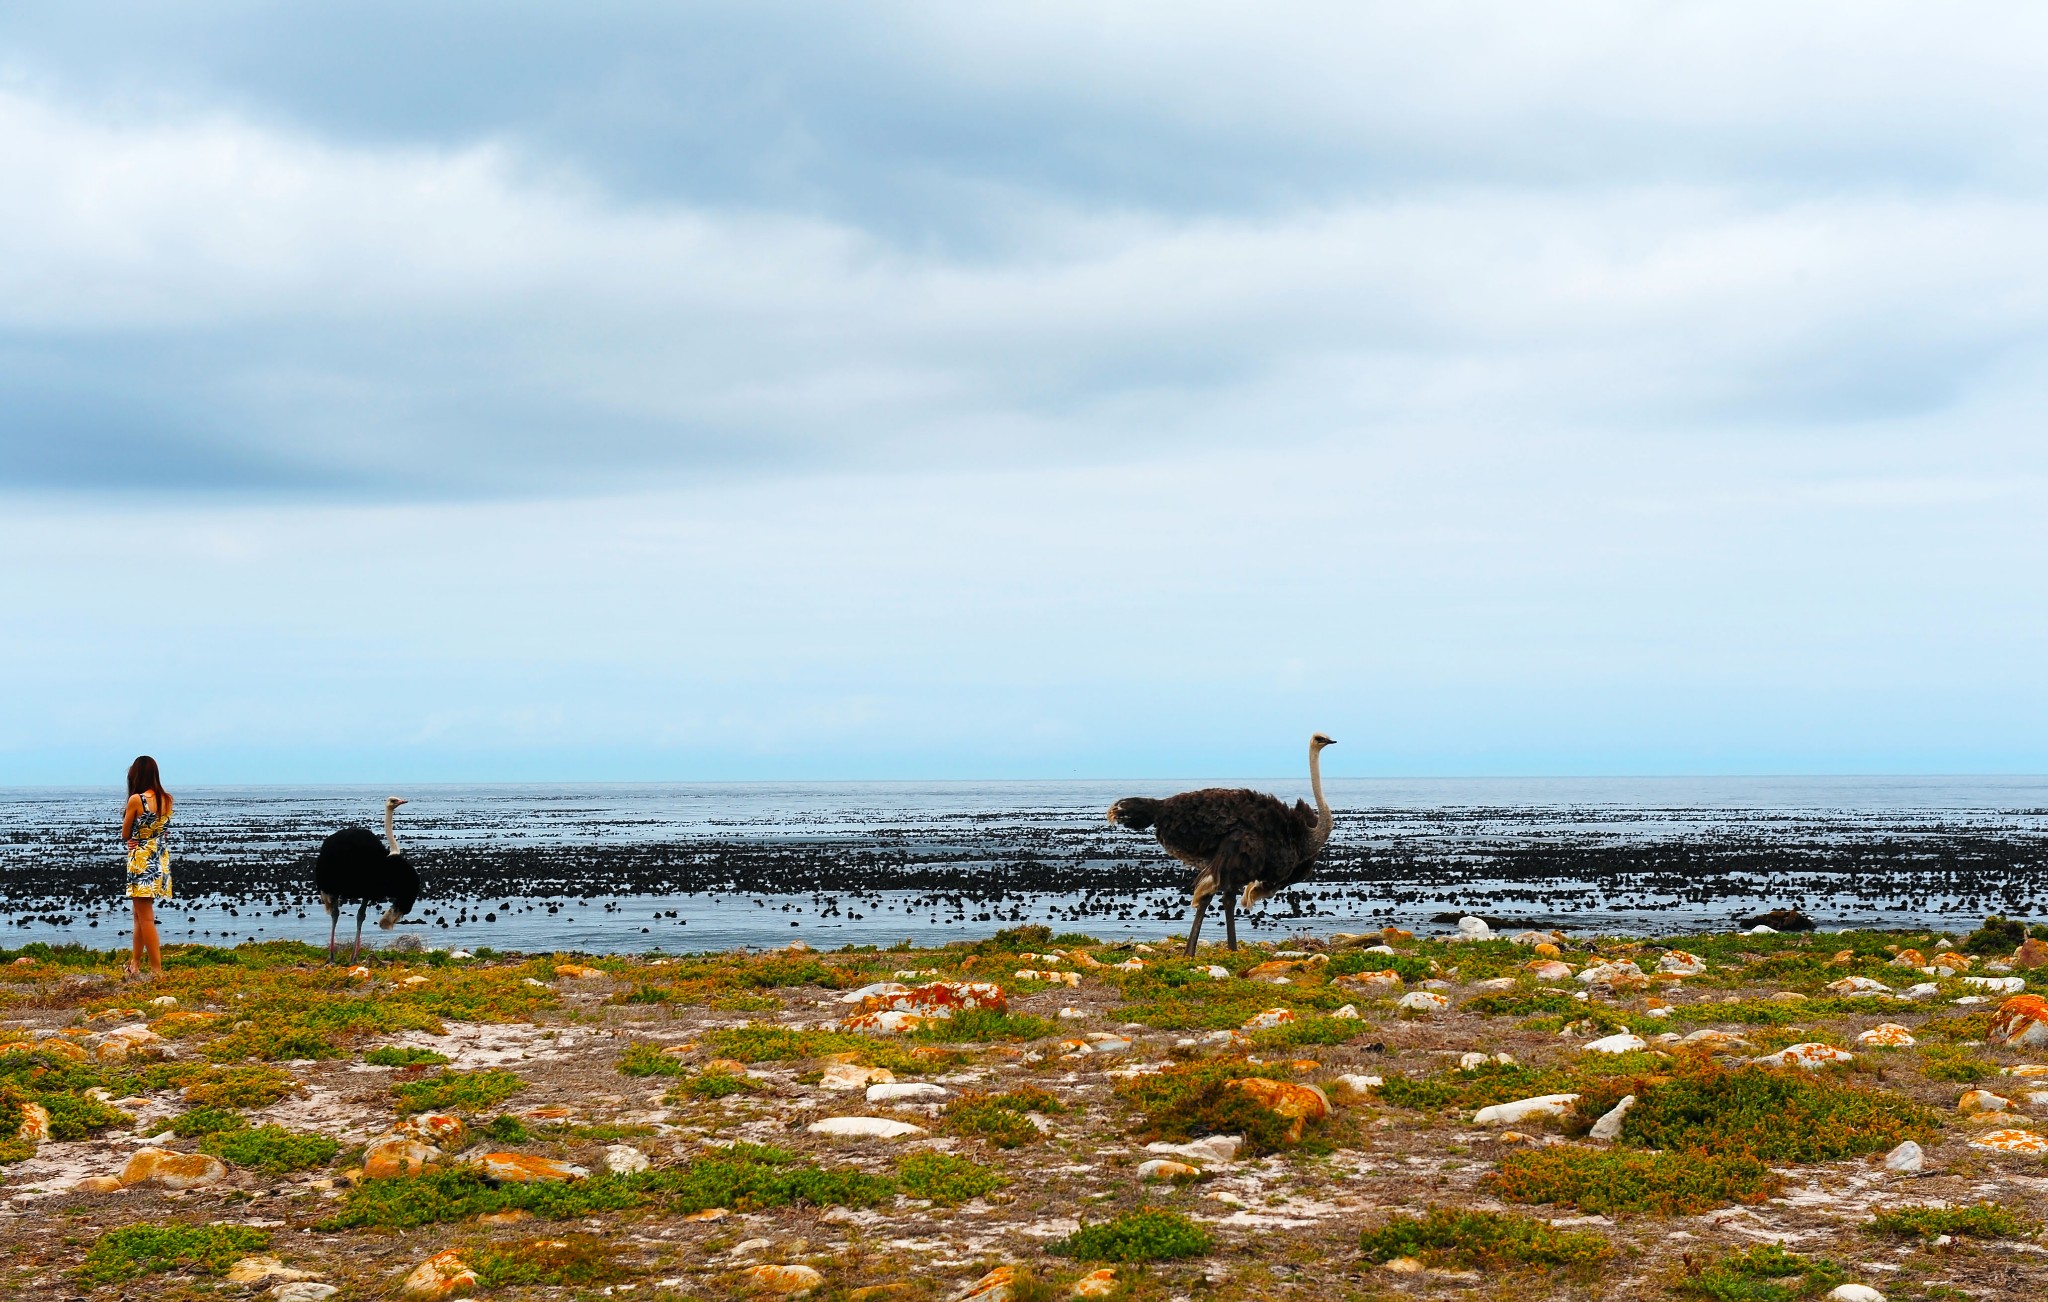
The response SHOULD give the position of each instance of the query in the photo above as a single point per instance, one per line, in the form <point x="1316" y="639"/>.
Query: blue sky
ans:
<point x="641" y="391"/>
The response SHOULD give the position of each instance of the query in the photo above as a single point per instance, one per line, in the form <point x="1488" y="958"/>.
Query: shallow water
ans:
<point x="602" y="867"/>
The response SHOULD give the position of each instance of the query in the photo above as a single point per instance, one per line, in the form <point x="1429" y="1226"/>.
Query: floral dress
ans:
<point x="149" y="860"/>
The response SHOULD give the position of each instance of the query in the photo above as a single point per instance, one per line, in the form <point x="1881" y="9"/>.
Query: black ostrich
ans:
<point x="1236" y="840"/>
<point x="354" y="868"/>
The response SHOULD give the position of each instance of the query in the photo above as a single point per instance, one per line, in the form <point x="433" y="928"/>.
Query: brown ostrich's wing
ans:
<point x="1262" y="834"/>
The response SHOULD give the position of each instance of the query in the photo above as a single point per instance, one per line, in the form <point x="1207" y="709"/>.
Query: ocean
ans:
<point x="713" y="866"/>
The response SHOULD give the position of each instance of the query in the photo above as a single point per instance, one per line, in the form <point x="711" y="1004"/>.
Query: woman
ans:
<point x="143" y="827"/>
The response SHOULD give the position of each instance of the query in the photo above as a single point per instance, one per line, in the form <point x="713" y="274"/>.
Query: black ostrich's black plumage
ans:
<point x="1237" y="840"/>
<point x="354" y="867"/>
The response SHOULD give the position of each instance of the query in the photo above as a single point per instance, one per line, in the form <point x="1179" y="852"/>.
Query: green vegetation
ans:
<point x="137" y="1250"/>
<point x="573" y="1260"/>
<point x="1763" y="1274"/>
<point x="780" y="1044"/>
<point x="944" y="1178"/>
<point x="241" y="1087"/>
<point x="1606" y="1181"/>
<point x="505" y="1129"/>
<point x="983" y="1025"/>
<point x="1949" y="1062"/>
<point x="644" y="1058"/>
<point x="1776" y="1115"/>
<point x="1983" y="1221"/>
<point x="1443" y="1238"/>
<point x="1000" y="1118"/>
<point x="744" y="1177"/>
<point x="270" y="1148"/>
<point x="393" y="1055"/>
<point x="1190" y="1101"/>
<point x="457" y="1091"/>
<point x="207" y="1121"/>
<point x="1999" y="935"/>
<point x="712" y="1085"/>
<point x="1146" y="1235"/>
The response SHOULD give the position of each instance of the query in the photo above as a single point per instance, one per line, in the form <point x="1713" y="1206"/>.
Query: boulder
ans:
<point x="1509" y="1114"/>
<point x="1550" y="969"/>
<point x="1096" y="1283"/>
<point x="1624" y="1042"/>
<point x="1474" y="929"/>
<point x="1166" y="1168"/>
<point x="624" y="1159"/>
<point x="1372" y="985"/>
<point x="2032" y="953"/>
<point x="99" y="1184"/>
<point x="35" y="1124"/>
<point x="2010" y="1141"/>
<point x="1422" y="1002"/>
<point x="848" y="1076"/>
<point x="1217" y="1150"/>
<point x="1271" y="1018"/>
<point x="1858" y="985"/>
<point x="395" y="1155"/>
<point x="1292" y="1102"/>
<point x="1974" y="1101"/>
<point x="1715" y="1041"/>
<point x="1348" y="1012"/>
<point x="878" y="988"/>
<point x="910" y="1091"/>
<point x="1677" y="962"/>
<point x="2021" y="1020"/>
<point x="864" y="1128"/>
<point x="1806" y="1057"/>
<point x="1911" y="958"/>
<point x="1887" y="1035"/>
<point x="256" y="1270"/>
<point x="169" y="1170"/>
<point x="303" y="1290"/>
<point x="939" y="999"/>
<point x="524" y="1168"/>
<point x="999" y="1285"/>
<point x="125" y="1042"/>
<point x="1997" y="985"/>
<point x="1907" y="1159"/>
<point x="1855" y="1293"/>
<point x="789" y="1281"/>
<point x="1608" y="1128"/>
<point x="443" y="1275"/>
<point x="441" y="1129"/>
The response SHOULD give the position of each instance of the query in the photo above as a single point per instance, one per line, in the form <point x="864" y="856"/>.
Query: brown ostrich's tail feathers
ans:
<point x="1134" y="812"/>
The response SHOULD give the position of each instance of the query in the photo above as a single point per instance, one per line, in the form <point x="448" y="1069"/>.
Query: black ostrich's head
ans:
<point x="404" y="887"/>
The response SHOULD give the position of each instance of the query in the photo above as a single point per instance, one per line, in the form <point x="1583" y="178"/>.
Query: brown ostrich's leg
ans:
<point x="1230" y="919"/>
<point x="1195" y="927"/>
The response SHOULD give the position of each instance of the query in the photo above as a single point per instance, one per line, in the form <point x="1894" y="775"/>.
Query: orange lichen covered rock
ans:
<point x="893" y="1021"/>
<point x="64" y="1049"/>
<point x="790" y="1281"/>
<point x="2033" y="952"/>
<point x="396" y="1155"/>
<point x="2022" y="1019"/>
<point x="2010" y="1141"/>
<point x="35" y="1124"/>
<point x="999" y="1285"/>
<point x="1269" y="1019"/>
<point x="1550" y="969"/>
<point x="1293" y="1103"/>
<point x="940" y="999"/>
<point x="173" y="1170"/>
<point x="1982" y="1101"/>
<point x="1811" y="1056"/>
<point x="1887" y="1035"/>
<point x="443" y="1275"/>
<point x="524" y="1168"/>
<point x="577" y="971"/>
<point x="1547" y="950"/>
<point x="99" y="1184"/>
<point x="441" y="1129"/>
<point x="1912" y="958"/>
<point x="1096" y="1283"/>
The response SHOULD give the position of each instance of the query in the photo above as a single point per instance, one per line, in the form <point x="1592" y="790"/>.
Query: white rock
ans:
<point x="1209" y="1148"/>
<point x="1925" y="990"/>
<point x="1218" y="972"/>
<point x="1623" y="1042"/>
<point x="624" y="1159"/>
<point x="1360" y="1083"/>
<point x="1379" y="949"/>
<point x="864" y="1128"/>
<point x="848" y="1076"/>
<point x="1608" y="1127"/>
<point x="1422" y="1001"/>
<point x="1348" y="1012"/>
<point x="1811" y="1056"/>
<point x="1508" y="1114"/>
<point x="2005" y="985"/>
<point x="1071" y="1014"/>
<point x="1164" y="1168"/>
<point x="1474" y="929"/>
<point x="304" y="1290"/>
<point x="1855" y="1293"/>
<point x="1859" y="985"/>
<point x="878" y="988"/>
<point x="1472" y="1061"/>
<point x="898" y="1093"/>
<point x="1761" y="930"/>
<point x="1608" y="971"/>
<point x="1907" y="1159"/>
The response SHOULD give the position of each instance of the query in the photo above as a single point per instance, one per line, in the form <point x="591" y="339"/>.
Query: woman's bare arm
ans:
<point x="128" y="817"/>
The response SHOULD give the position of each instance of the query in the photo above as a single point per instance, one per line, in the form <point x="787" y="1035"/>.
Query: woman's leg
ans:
<point x="145" y="935"/>
<point x="135" y="950"/>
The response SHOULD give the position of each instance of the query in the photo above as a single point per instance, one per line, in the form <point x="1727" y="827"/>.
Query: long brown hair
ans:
<point x="142" y="776"/>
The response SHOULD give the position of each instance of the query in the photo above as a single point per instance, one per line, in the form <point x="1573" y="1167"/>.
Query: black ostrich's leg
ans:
<point x="356" y="953"/>
<point x="1195" y="927"/>
<point x="333" y="925"/>
<point x="1230" y="919"/>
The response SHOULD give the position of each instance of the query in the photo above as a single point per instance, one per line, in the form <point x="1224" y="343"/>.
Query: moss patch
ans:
<point x="270" y="1148"/>
<point x="1605" y="1181"/>
<point x="1145" y="1235"/>
<point x="137" y="1250"/>
<point x="1444" y="1238"/>
<point x="457" y="1091"/>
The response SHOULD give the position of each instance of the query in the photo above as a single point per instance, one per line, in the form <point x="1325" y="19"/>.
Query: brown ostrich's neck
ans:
<point x="1315" y="781"/>
<point x="391" y="832"/>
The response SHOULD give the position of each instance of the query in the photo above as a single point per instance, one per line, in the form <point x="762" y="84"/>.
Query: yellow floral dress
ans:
<point x="149" y="860"/>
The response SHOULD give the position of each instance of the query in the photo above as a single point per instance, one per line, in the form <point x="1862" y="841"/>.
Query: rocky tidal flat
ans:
<point x="1037" y="1115"/>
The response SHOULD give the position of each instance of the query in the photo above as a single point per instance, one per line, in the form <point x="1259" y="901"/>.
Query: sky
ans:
<point x="641" y="391"/>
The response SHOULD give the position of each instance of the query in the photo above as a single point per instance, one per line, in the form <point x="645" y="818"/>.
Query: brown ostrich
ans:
<point x="1236" y="840"/>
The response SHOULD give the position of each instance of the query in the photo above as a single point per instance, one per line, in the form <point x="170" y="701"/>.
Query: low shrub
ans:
<point x="644" y="1058"/>
<point x="1001" y="1118"/>
<point x="1766" y="1273"/>
<point x="781" y="1044"/>
<point x="394" y="1055"/>
<point x="1777" y="1115"/>
<point x="1446" y="1239"/>
<point x="137" y="1250"/>
<point x="1983" y="1221"/>
<point x="457" y="1091"/>
<point x="270" y="1148"/>
<point x="1948" y="1062"/>
<point x="240" y="1087"/>
<point x="712" y="1085"/>
<point x="944" y="1178"/>
<point x="1144" y="1235"/>
<point x="1184" y="1103"/>
<point x="505" y="1129"/>
<point x="983" y="1025"/>
<point x="571" y="1260"/>
<point x="1605" y="1181"/>
<point x="207" y="1121"/>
